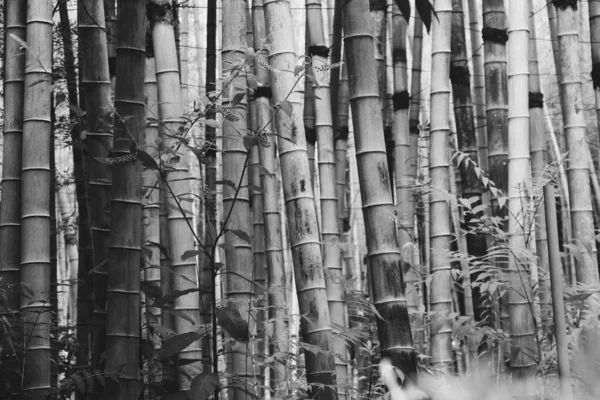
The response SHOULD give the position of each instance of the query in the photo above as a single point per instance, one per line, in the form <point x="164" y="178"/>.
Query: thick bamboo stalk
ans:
<point x="176" y="177"/>
<point x="520" y="299"/>
<point x="575" y="131"/>
<point x="236" y="204"/>
<point x="439" y="225"/>
<point x="123" y="297"/>
<point x="96" y="94"/>
<point x="302" y="220"/>
<point x="35" y="208"/>
<point x="332" y="256"/>
<point x="496" y="99"/>
<point x="495" y="37"/>
<point x="10" y="207"/>
<point x="538" y="145"/>
<point x="556" y="280"/>
<point x="385" y="264"/>
<point x="278" y="317"/>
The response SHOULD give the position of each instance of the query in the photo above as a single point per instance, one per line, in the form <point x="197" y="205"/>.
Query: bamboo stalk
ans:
<point x="439" y="225"/>
<point x="302" y="221"/>
<point x="575" y="133"/>
<point x="123" y="298"/>
<point x="537" y="141"/>
<point x="520" y="298"/>
<point x="176" y="178"/>
<point x="35" y="208"/>
<point x="278" y="317"/>
<point x="332" y="256"/>
<point x="96" y="95"/>
<point x="385" y="264"/>
<point x="10" y="206"/>
<point x="556" y="279"/>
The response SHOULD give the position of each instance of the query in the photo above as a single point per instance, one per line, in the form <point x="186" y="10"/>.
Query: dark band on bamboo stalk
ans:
<point x="596" y="75"/>
<point x="413" y="126"/>
<point x="536" y="100"/>
<point x="401" y="100"/>
<point x="263" y="91"/>
<point x="162" y="13"/>
<point x="342" y="133"/>
<point x="319" y="51"/>
<point x="494" y="35"/>
<point x="564" y="4"/>
<point x="377" y="5"/>
<point x="459" y="75"/>
<point x="311" y="135"/>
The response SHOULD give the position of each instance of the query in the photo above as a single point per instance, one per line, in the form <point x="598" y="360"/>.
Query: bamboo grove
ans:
<point x="288" y="199"/>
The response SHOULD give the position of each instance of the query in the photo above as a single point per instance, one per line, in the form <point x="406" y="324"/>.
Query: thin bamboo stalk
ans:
<point x="151" y="182"/>
<point x="184" y="72"/>
<point x="467" y="143"/>
<point x="302" y="221"/>
<point x="538" y="145"/>
<point x="207" y="278"/>
<point x="110" y="22"/>
<point x="414" y="275"/>
<point x="35" y="208"/>
<point x="556" y="279"/>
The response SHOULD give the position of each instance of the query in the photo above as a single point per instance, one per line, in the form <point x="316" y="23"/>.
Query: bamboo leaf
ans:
<point x="225" y="182"/>
<point x="176" y="344"/>
<point x="404" y="6"/>
<point x="212" y="123"/>
<point x="190" y="253"/>
<point x="237" y="99"/>
<point x="287" y="108"/>
<point x="426" y="12"/>
<point x="298" y="68"/>
<point x="231" y="320"/>
<point x="203" y="386"/>
<point x="241" y="234"/>
<point x="162" y="301"/>
<point x="147" y="160"/>
<point x="250" y="141"/>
